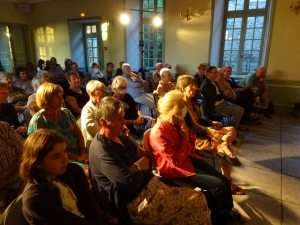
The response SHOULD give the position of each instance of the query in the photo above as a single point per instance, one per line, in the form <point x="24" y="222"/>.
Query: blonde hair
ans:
<point x="46" y="92"/>
<point x="118" y="82"/>
<point x="93" y="85"/>
<point x="184" y="80"/>
<point x="169" y="104"/>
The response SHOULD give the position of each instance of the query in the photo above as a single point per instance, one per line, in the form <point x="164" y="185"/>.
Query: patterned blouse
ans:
<point x="64" y="126"/>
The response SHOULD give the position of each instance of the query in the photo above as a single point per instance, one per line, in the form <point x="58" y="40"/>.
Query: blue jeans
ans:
<point x="217" y="186"/>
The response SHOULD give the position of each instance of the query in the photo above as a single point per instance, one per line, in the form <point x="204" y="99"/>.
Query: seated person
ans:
<point x="53" y="116"/>
<point x="168" y="65"/>
<point x="83" y="78"/>
<point x="68" y="63"/>
<point x="173" y="149"/>
<point x="240" y="100"/>
<point x="23" y="81"/>
<point x="108" y="72"/>
<point x="165" y="85"/>
<point x="89" y="125"/>
<point x="257" y="82"/>
<point x="119" y="71"/>
<point x="134" y="120"/>
<point x="16" y="95"/>
<point x="8" y="113"/>
<point x="75" y="96"/>
<point x="53" y="59"/>
<point x="11" y="150"/>
<point x="98" y="75"/>
<point x="214" y="99"/>
<point x="156" y="75"/>
<point x="57" y="76"/>
<point x="199" y="76"/>
<point x="135" y="87"/>
<point x="56" y="192"/>
<point x="31" y="70"/>
<point x="43" y="76"/>
<point x="210" y="134"/>
<point x="40" y="65"/>
<point x="124" y="178"/>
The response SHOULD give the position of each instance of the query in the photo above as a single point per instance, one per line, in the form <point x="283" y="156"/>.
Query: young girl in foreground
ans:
<point x="56" y="192"/>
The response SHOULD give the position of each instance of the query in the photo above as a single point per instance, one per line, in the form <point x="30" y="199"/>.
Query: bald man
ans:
<point x="258" y="79"/>
<point x="156" y="76"/>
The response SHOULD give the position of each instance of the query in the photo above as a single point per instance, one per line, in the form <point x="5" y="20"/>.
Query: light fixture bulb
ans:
<point x="157" y="21"/>
<point x="124" y="18"/>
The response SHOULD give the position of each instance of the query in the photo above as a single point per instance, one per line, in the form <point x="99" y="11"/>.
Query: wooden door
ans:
<point x="5" y="56"/>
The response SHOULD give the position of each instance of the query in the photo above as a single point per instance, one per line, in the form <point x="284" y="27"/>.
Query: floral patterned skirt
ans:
<point x="160" y="204"/>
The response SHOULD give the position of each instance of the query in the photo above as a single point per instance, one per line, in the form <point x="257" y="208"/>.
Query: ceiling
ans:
<point x="28" y="1"/>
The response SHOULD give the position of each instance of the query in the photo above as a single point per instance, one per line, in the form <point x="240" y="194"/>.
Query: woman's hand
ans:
<point x="216" y="124"/>
<point x="83" y="158"/>
<point x="181" y="127"/>
<point x="140" y="120"/>
<point x="21" y="130"/>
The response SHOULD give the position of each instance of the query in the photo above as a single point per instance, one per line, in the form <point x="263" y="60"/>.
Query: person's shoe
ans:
<point x="258" y="105"/>
<point x="234" y="142"/>
<point x="243" y="128"/>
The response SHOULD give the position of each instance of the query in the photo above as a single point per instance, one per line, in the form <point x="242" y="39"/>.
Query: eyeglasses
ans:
<point x="213" y="72"/>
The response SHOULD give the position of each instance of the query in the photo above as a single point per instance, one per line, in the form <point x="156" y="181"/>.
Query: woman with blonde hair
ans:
<point x="210" y="134"/>
<point x="134" y="120"/>
<point x="173" y="148"/>
<point x="53" y="116"/>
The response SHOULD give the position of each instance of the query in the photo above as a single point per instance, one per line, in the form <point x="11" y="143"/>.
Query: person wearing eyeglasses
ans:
<point x="89" y="125"/>
<point x="215" y="99"/>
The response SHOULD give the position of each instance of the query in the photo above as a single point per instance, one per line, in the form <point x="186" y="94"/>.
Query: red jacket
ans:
<point x="170" y="152"/>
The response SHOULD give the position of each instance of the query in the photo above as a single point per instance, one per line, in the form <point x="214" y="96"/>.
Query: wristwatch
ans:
<point x="137" y="166"/>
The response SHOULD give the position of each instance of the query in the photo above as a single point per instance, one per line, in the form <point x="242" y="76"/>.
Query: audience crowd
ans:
<point x="75" y="160"/>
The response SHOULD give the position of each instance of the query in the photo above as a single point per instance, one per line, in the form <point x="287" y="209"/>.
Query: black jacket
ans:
<point x="42" y="203"/>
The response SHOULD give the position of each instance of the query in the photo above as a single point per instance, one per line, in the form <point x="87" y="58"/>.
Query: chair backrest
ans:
<point x="27" y="116"/>
<point x="13" y="214"/>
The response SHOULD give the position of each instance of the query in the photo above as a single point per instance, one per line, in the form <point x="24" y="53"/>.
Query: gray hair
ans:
<point x="118" y="82"/>
<point x="163" y="71"/>
<point x="107" y="107"/>
<point x="220" y="70"/>
<point x="37" y="81"/>
<point x="93" y="85"/>
<point x="125" y="64"/>
<point x="4" y="73"/>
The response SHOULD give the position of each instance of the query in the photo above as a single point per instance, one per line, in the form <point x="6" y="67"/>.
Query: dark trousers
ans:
<point x="217" y="186"/>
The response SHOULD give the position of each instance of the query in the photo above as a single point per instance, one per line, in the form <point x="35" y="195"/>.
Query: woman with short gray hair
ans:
<point x="134" y="120"/>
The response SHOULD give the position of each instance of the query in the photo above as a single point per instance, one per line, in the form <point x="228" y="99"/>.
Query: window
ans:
<point x="92" y="45"/>
<point x="244" y="34"/>
<point x="152" y="36"/>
